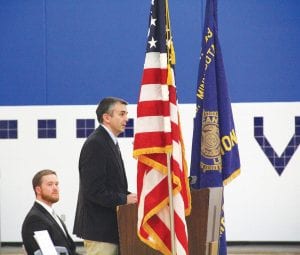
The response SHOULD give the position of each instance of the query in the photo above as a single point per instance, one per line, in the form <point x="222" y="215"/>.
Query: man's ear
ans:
<point x="106" y="118"/>
<point x="38" y="190"/>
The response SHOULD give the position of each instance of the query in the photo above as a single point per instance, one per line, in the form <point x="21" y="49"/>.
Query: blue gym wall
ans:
<point x="74" y="52"/>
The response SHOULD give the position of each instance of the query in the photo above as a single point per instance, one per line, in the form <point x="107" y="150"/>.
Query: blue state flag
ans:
<point x="215" y="157"/>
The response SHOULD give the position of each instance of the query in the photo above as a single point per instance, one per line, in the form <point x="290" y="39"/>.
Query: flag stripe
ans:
<point x="150" y="140"/>
<point x="155" y="76"/>
<point x="156" y="60"/>
<point x="153" y="108"/>
<point x="153" y="124"/>
<point x="152" y="92"/>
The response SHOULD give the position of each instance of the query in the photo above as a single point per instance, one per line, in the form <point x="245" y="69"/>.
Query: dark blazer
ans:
<point x="38" y="218"/>
<point x="103" y="186"/>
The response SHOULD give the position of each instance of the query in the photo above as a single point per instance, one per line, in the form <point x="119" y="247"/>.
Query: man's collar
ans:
<point x="47" y="207"/>
<point x="113" y="137"/>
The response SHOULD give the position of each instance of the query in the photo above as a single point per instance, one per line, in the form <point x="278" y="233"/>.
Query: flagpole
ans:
<point x="170" y="54"/>
<point x="171" y="206"/>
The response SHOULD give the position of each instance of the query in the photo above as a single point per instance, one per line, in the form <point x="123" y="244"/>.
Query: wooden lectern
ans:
<point x="203" y="225"/>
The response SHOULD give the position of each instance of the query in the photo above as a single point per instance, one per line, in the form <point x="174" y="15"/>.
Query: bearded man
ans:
<point x="42" y="216"/>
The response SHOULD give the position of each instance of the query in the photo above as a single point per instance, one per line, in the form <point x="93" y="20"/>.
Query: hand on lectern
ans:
<point x="131" y="198"/>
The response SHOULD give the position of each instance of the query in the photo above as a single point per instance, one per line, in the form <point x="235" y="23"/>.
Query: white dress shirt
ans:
<point x="53" y="214"/>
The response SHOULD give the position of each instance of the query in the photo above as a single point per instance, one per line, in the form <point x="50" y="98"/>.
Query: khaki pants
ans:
<point x="100" y="248"/>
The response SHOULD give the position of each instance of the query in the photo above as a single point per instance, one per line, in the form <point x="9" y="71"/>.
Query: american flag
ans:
<point x="158" y="136"/>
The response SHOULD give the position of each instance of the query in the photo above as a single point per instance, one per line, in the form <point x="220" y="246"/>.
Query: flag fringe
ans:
<point x="152" y="150"/>
<point x="232" y="176"/>
<point x="156" y="243"/>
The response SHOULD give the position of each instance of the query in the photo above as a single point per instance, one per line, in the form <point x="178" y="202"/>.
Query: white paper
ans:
<point x="45" y="243"/>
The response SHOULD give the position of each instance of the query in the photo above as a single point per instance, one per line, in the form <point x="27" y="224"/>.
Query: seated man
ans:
<point x="42" y="217"/>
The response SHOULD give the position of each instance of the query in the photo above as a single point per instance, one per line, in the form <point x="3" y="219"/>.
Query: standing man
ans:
<point x="42" y="217"/>
<point x="103" y="182"/>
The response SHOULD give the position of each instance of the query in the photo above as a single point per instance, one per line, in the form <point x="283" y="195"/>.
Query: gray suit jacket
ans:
<point x="102" y="187"/>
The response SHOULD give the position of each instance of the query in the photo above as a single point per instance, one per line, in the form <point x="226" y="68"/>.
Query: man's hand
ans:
<point x="131" y="198"/>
